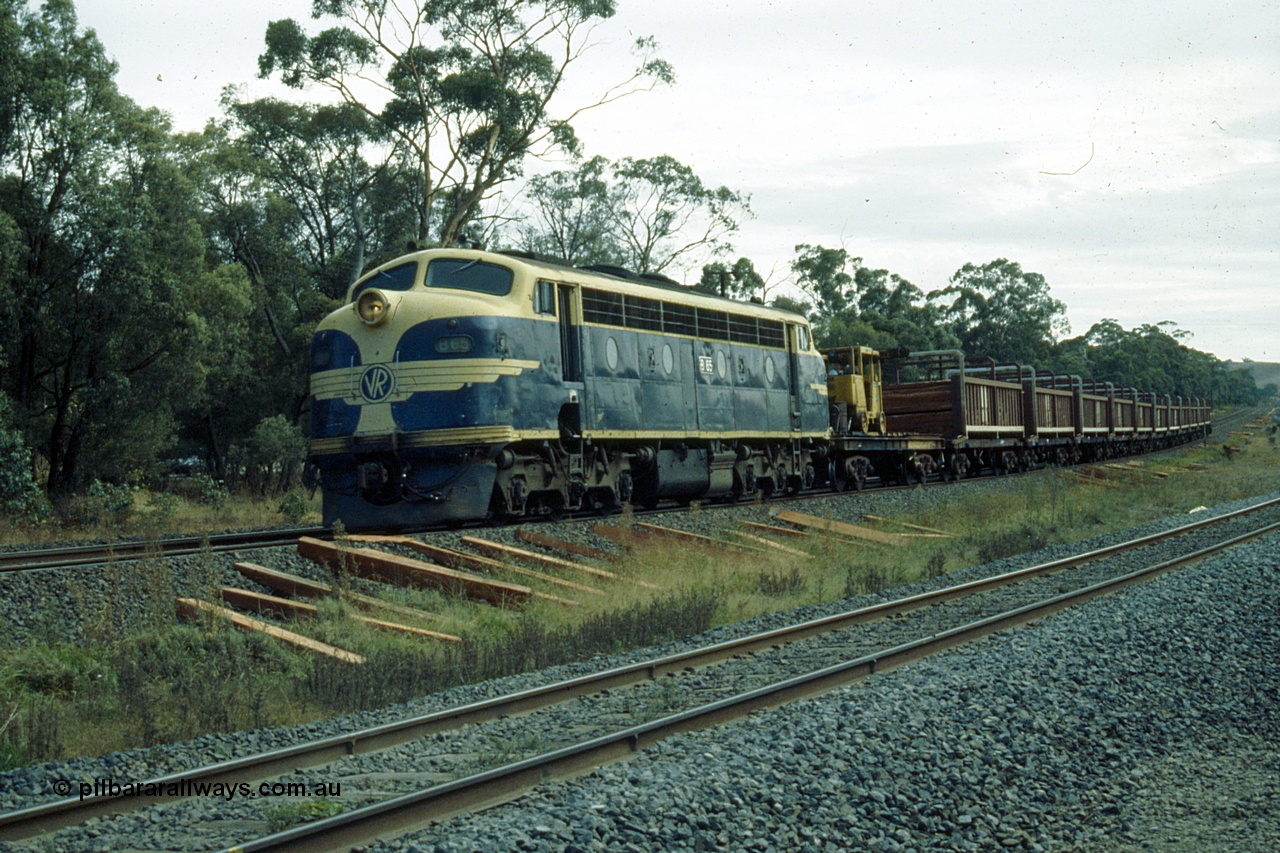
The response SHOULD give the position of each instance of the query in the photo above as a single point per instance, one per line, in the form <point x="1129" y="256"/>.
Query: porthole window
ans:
<point x="611" y="353"/>
<point x="722" y="365"/>
<point x="769" y="368"/>
<point x="668" y="359"/>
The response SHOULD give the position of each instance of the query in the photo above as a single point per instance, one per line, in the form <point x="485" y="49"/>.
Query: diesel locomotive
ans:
<point x="458" y="385"/>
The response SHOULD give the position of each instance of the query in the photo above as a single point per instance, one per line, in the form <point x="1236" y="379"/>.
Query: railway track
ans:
<point x="87" y="555"/>
<point x="826" y="649"/>
<point x="37" y="559"/>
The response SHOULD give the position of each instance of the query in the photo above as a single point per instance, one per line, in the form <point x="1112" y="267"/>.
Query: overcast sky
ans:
<point x="1127" y="151"/>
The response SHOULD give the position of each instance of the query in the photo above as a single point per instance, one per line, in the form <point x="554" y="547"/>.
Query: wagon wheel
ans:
<point x="858" y="473"/>
<point x="835" y="477"/>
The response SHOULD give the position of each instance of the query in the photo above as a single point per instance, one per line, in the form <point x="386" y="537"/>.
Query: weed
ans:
<point x="31" y="731"/>
<point x="776" y="582"/>
<point x="162" y="507"/>
<point x="282" y="816"/>
<point x="129" y="682"/>
<point x="665" y="697"/>
<point x="1008" y="543"/>
<point x="862" y="580"/>
<point x="509" y="749"/>
<point x="293" y="506"/>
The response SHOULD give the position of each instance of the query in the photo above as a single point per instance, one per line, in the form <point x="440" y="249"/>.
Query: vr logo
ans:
<point x="377" y="383"/>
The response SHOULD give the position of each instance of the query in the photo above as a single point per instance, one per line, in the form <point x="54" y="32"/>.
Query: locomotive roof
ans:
<point x="614" y="278"/>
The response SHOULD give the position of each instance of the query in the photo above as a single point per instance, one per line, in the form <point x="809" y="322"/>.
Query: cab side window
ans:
<point x="544" y="298"/>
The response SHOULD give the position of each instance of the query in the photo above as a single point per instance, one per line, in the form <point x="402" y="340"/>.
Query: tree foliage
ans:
<point x="19" y="493"/>
<point x="740" y="280"/>
<point x="663" y="213"/>
<point x="649" y="215"/>
<point x="1154" y="358"/>
<point x="570" y="217"/>
<point x="460" y="91"/>
<point x="1000" y="311"/>
<point x="109" y="253"/>
<point x="827" y="276"/>
<point x="854" y="304"/>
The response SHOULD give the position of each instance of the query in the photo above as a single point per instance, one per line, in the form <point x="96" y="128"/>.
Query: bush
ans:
<point x="208" y="491"/>
<point x="103" y="503"/>
<point x="20" y="497"/>
<point x="163" y="507"/>
<point x="1011" y="543"/>
<point x="274" y="458"/>
<point x="293" y="507"/>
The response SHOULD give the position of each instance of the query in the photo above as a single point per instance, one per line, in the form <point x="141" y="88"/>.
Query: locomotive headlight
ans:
<point x="372" y="306"/>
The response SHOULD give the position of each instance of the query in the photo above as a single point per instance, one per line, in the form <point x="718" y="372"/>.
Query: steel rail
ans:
<point x="87" y="555"/>
<point x="71" y="811"/>
<point x="409" y="811"/>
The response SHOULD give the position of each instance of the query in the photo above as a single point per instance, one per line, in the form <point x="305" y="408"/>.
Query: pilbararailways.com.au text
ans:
<point x="179" y="788"/>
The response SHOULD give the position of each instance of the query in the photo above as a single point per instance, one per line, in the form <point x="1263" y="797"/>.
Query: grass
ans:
<point x="148" y="680"/>
<point x="144" y="513"/>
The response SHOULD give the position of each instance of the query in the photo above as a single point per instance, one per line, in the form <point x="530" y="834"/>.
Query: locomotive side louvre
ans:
<point x="732" y="375"/>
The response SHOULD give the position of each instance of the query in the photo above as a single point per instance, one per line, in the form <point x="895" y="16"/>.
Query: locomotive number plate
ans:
<point x="706" y="365"/>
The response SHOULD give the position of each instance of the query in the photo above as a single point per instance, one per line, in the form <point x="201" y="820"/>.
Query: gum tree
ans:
<point x="459" y="90"/>
<point x="998" y="310"/>
<point x="650" y="215"/>
<point x="101" y="339"/>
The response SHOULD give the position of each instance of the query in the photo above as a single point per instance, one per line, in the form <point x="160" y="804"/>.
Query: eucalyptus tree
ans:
<point x="664" y="217"/>
<point x="268" y="294"/>
<point x="102" y="343"/>
<point x="899" y="313"/>
<point x="650" y="215"/>
<point x="827" y="276"/>
<point x="739" y="280"/>
<point x="461" y="89"/>
<point x="569" y="215"/>
<point x="1158" y="357"/>
<point x="998" y="310"/>
<point x="11" y="62"/>
<point x="60" y="97"/>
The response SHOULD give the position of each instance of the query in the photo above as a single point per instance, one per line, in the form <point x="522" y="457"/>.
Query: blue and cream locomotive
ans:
<point x="459" y="385"/>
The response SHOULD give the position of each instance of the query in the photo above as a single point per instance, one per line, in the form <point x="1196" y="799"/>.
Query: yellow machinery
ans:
<point x="853" y="390"/>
